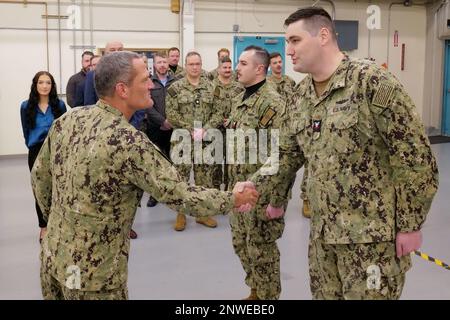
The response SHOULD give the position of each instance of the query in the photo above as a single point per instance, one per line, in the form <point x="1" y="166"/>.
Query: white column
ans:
<point x="187" y="29"/>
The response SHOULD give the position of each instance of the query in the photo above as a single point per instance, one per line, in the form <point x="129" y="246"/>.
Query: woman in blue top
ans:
<point x="37" y="115"/>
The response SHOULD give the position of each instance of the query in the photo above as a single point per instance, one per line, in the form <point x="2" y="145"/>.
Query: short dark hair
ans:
<point x="261" y="54"/>
<point x="315" y="19"/>
<point x="161" y="54"/>
<point x="93" y="57"/>
<point x="89" y="53"/>
<point x="225" y="59"/>
<point x="274" y="55"/>
<point x="173" y="49"/>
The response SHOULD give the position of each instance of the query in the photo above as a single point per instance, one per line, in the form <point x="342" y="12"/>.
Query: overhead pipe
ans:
<point x="404" y="3"/>
<point x="91" y="23"/>
<point x="59" y="45"/>
<point x="333" y="8"/>
<point x="74" y="43"/>
<point x="181" y="32"/>
<point x="44" y="3"/>
<point x="95" y="30"/>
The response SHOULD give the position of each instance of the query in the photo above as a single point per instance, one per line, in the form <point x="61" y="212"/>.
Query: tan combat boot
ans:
<point x="252" y="296"/>
<point x="180" y="223"/>
<point x="306" y="211"/>
<point x="207" y="221"/>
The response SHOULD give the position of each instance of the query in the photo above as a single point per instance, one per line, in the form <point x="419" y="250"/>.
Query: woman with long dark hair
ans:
<point x="37" y="115"/>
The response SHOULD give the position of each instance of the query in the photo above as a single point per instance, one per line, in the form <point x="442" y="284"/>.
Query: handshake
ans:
<point x="246" y="197"/>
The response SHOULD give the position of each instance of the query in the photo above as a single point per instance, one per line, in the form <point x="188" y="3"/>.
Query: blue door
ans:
<point x="446" y="100"/>
<point x="271" y="44"/>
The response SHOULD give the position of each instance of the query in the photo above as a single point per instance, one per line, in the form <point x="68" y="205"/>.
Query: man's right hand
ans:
<point x="245" y="196"/>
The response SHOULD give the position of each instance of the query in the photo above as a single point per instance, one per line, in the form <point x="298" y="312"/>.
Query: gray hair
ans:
<point x="114" y="68"/>
<point x="192" y="53"/>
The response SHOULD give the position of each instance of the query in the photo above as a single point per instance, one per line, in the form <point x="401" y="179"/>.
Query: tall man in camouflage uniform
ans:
<point x="282" y="83"/>
<point x="258" y="108"/>
<point x="89" y="177"/>
<point x="190" y="100"/>
<point x="372" y="174"/>
<point x="226" y="88"/>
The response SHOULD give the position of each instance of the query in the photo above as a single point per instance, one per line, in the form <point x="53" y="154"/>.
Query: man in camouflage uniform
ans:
<point x="222" y="53"/>
<point x="283" y="84"/>
<point x="89" y="177"/>
<point x="225" y="88"/>
<point x="177" y="71"/>
<point x="174" y="57"/>
<point x="371" y="172"/>
<point x="258" y="108"/>
<point x="191" y="99"/>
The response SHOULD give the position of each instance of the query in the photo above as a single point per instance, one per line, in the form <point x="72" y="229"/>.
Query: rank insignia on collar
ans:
<point x="316" y="125"/>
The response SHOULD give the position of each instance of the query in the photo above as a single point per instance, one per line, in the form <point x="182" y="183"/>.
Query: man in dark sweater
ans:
<point x="78" y="78"/>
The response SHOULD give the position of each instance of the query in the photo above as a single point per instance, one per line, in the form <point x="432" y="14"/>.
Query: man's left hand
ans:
<point x="273" y="212"/>
<point x="407" y="242"/>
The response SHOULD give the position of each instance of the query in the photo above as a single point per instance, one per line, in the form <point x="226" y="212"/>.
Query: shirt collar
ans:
<point x="102" y="105"/>
<point x="337" y="81"/>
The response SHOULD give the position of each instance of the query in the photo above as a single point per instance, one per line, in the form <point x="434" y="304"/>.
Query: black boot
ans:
<point x="133" y="234"/>
<point x="151" y="202"/>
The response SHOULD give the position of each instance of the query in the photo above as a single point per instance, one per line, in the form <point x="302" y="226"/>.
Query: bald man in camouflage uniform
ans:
<point x="260" y="108"/>
<point x="89" y="177"/>
<point x="225" y="88"/>
<point x="192" y="99"/>
<point x="372" y="174"/>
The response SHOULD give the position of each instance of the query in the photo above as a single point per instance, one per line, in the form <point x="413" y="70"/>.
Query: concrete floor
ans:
<point x="199" y="263"/>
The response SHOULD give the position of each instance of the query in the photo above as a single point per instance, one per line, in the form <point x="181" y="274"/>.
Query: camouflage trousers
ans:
<point x="303" y="184"/>
<point x="254" y="242"/>
<point x="206" y="175"/>
<point x="219" y="175"/>
<point x="52" y="289"/>
<point x="220" y="171"/>
<point x="356" y="271"/>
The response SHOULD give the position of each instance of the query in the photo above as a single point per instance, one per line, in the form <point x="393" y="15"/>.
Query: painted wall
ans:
<point x="24" y="52"/>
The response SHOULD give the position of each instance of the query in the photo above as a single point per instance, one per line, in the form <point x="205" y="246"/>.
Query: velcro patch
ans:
<point x="383" y="95"/>
<point x="172" y="92"/>
<point x="267" y="116"/>
<point x="217" y="92"/>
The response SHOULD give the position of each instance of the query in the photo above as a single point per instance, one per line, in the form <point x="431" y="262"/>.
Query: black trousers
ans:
<point x="33" y="152"/>
<point x="161" y="138"/>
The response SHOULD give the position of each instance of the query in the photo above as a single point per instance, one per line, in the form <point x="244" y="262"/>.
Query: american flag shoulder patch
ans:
<point x="383" y="95"/>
